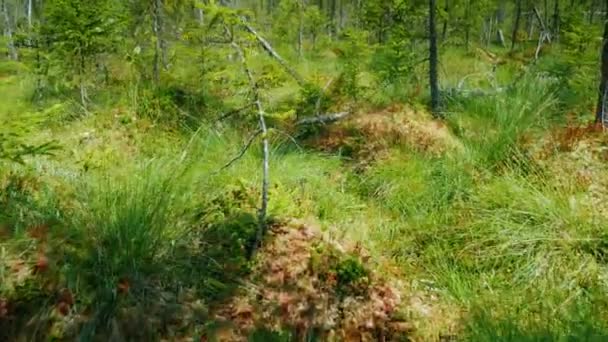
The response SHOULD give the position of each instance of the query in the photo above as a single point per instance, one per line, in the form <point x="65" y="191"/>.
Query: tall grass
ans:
<point x="493" y="127"/>
<point x="500" y="236"/>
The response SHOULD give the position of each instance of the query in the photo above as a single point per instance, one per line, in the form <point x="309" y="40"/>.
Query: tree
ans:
<point x="556" y="19"/>
<point x="12" y="49"/>
<point x="600" y="113"/>
<point x="516" y="24"/>
<point x="76" y="31"/>
<point x="433" y="59"/>
<point x="160" y="46"/>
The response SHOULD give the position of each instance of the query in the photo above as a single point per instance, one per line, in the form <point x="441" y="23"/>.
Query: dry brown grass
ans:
<point x="295" y="287"/>
<point x="370" y="136"/>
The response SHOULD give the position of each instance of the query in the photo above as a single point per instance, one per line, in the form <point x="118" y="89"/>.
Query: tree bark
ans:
<point x="29" y="14"/>
<point x="592" y="5"/>
<point x="332" y="15"/>
<point x="12" y="49"/>
<point x="262" y="211"/>
<point x="600" y="114"/>
<point x="444" y="30"/>
<point x="160" y="53"/>
<point x="301" y="7"/>
<point x="556" y="20"/>
<point x="467" y="29"/>
<point x="200" y="16"/>
<point x="516" y="25"/>
<point x="433" y="60"/>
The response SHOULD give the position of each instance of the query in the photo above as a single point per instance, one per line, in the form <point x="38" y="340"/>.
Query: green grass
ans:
<point x="138" y="196"/>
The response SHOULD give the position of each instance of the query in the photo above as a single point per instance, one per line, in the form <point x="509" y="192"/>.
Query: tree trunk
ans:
<point x="262" y="211"/>
<point x="433" y="60"/>
<point x="467" y="30"/>
<point x="160" y="46"/>
<point x="81" y="82"/>
<point x="600" y="113"/>
<point x="200" y="16"/>
<point x="300" y="28"/>
<point x="444" y="31"/>
<point x="591" y="11"/>
<point x="332" y="15"/>
<point x="516" y="25"/>
<point x="29" y="14"/>
<point x="556" y="20"/>
<point x="12" y="50"/>
<point x="342" y="13"/>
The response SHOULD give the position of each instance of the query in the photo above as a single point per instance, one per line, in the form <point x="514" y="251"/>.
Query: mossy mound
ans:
<point x="303" y="285"/>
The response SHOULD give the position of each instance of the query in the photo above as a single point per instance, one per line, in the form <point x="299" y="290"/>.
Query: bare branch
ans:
<point x="234" y="111"/>
<point x="243" y="150"/>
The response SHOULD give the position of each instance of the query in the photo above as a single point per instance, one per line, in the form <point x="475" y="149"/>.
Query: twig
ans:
<point x="243" y="150"/>
<point x="234" y="111"/>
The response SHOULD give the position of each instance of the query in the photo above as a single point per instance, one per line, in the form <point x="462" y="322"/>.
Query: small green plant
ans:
<point x="352" y="276"/>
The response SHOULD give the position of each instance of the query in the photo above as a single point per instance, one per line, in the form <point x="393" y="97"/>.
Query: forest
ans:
<point x="303" y="170"/>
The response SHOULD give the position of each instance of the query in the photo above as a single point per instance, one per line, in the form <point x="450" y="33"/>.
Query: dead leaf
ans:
<point x="39" y="232"/>
<point x="63" y="308"/>
<point x="3" y="308"/>
<point x="65" y="296"/>
<point x="42" y="263"/>
<point x="123" y="286"/>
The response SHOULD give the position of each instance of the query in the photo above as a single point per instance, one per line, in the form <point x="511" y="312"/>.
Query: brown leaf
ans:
<point x="39" y="232"/>
<point x="4" y="231"/>
<point x="42" y="264"/>
<point x="243" y="309"/>
<point x="3" y="308"/>
<point x="123" y="286"/>
<point x="65" y="296"/>
<point x="63" y="308"/>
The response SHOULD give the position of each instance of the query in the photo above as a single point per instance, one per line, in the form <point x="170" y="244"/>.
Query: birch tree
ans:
<point x="433" y="59"/>
<point x="8" y="32"/>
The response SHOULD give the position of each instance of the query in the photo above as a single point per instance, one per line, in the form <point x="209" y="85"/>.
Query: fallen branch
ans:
<point x="323" y="119"/>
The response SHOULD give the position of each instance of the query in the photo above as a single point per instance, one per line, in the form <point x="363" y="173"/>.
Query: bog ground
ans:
<point x="135" y="205"/>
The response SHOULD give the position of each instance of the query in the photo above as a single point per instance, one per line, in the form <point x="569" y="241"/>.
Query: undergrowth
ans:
<point x="137" y="218"/>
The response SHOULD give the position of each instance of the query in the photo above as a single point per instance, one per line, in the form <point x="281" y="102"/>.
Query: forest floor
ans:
<point x="487" y="225"/>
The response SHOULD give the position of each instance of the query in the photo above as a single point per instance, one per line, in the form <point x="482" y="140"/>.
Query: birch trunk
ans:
<point x="12" y="50"/>
<point x="600" y="114"/>
<point x="160" y="46"/>
<point x="29" y="13"/>
<point x="516" y="25"/>
<point x="433" y="59"/>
